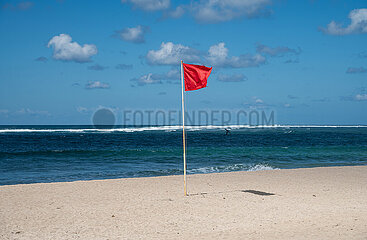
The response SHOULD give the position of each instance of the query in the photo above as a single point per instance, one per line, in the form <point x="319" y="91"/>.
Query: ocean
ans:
<point x="34" y="154"/>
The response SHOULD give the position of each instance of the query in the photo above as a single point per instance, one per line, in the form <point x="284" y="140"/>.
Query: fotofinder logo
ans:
<point x="104" y="118"/>
<point x="198" y="117"/>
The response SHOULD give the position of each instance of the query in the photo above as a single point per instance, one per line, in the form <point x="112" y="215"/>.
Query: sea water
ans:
<point x="32" y="154"/>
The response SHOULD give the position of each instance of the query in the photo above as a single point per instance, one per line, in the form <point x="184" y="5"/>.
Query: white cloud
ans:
<point x="82" y="109"/>
<point x="146" y="79"/>
<point x="149" y="5"/>
<point x="218" y="57"/>
<point x="134" y="34"/>
<point x="361" y="97"/>
<point x="257" y="103"/>
<point x="97" y="84"/>
<point x="171" y="54"/>
<point x="172" y="76"/>
<point x="31" y="112"/>
<point x="358" y="24"/>
<point x="211" y="11"/>
<point x="66" y="50"/>
<point x="208" y="11"/>
<point x="177" y="13"/>
<point x="276" y="51"/>
<point x="232" y="78"/>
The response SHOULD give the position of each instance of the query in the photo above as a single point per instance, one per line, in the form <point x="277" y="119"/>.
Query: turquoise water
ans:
<point x="30" y="154"/>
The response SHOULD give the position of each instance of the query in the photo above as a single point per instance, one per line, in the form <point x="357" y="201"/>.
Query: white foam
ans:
<point x="260" y="167"/>
<point x="172" y="128"/>
<point x="232" y="168"/>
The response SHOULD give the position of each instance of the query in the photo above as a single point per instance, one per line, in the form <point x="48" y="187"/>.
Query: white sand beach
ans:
<point x="316" y="203"/>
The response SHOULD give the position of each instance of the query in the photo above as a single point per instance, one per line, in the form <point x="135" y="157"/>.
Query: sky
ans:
<point x="62" y="60"/>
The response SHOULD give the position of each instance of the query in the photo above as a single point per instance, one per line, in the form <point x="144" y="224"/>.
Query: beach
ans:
<point x="309" y="203"/>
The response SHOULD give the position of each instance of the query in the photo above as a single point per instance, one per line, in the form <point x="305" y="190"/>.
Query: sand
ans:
<point x="316" y="203"/>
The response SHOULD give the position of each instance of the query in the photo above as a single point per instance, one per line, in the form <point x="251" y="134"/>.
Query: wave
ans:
<point x="169" y="128"/>
<point x="204" y="170"/>
<point x="232" y="168"/>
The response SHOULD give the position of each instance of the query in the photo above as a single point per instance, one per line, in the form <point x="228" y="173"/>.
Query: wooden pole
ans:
<point x="183" y="127"/>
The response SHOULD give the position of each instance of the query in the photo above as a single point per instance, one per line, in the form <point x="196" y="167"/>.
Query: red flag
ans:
<point x="196" y="76"/>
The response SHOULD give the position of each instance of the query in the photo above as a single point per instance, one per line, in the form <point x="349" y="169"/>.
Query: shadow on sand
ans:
<point x="260" y="193"/>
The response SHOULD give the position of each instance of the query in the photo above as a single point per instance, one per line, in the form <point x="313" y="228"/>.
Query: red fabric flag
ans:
<point x="196" y="76"/>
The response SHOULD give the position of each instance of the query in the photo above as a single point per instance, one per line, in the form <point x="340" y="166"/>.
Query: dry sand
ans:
<point x="318" y="203"/>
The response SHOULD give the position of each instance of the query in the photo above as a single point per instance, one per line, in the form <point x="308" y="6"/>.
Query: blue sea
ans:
<point x="33" y="154"/>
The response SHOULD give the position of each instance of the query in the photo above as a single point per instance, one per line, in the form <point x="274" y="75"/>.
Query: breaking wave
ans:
<point x="232" y="168"/>
<point x="165" y="128"/>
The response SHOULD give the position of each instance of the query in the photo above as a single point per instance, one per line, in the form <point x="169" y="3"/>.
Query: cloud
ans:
<point x="82" y="109"/>
<point x="27" y="111"/>
<point x="258" y="100"/>
<point x="218" y="57"/>
<point x="41" y="59"/>
<point x="172" y="76"/>
<point x="149" y="5"/>
<point x="176" y="13"/>
<point x="213" y="11"/>
<point x="97" y="84"/>
<point x="287" y="105"/>
<point x="256" y="103"/>
<point x="232" y="78"/>
<point x="20" y="6"/>
<point x="358" y="24"/>
<point x="97" y="67"/>
<point x="277" y="51"/>
<point x="357" y="98"/>
<point x="361" y="97"/>
<point x="66" y="50"/>
<point x="171" y="54"/>
<point x="208" y="11"/>
<point x="146" y="79"/>
<point x="356" y="70"/>
<point x="124" y="66"/>
<point x="134" y="34"/>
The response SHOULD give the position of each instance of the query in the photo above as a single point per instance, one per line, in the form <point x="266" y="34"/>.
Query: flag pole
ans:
<point x="183" y="127"/>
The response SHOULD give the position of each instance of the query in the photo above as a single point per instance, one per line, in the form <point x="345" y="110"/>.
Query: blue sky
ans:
<point x="63" y="60"/>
